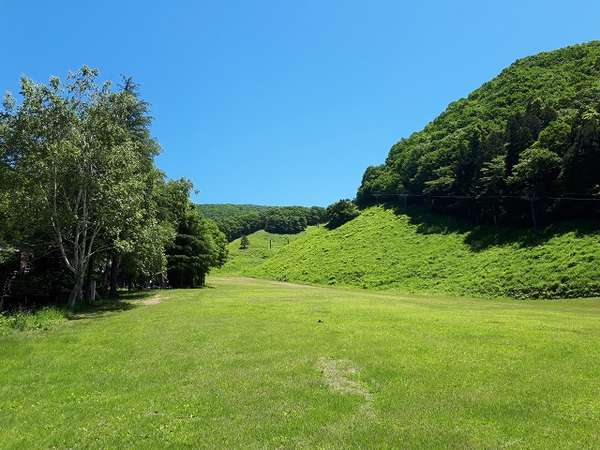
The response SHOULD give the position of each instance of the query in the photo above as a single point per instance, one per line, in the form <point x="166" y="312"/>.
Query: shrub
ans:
<point x="43" y="319"/>
<point x="341" y="212"/>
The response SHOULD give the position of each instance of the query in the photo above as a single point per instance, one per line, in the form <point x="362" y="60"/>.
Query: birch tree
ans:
<point x="79" y="154"/>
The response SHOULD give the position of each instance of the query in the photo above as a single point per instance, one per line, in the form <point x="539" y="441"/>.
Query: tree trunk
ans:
<point x="532" y="208"/>
<point x="106" y="277"/>
<point x="92" y="294"/>
<point x="114" y="275"/>
<point x="89" y="291"/>
<point x="75" y="293"/>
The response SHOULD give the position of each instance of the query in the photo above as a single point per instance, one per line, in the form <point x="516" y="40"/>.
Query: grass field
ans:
<point x="262" y="246"/>
<point x="425" y="253"/>
<point x="259" y="364"/>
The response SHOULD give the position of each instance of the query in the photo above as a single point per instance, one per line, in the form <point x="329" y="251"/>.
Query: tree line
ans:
<point x="241" y="220"/>
<point x="524" y="145"/>
<point x="84" y="208"/>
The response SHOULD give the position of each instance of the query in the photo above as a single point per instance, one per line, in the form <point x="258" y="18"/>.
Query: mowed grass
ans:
<point x="258" y="364"/>
<point x="425" y="253"/>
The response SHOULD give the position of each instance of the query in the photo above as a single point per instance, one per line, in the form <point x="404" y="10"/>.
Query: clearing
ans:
<point x="252" y="363"/>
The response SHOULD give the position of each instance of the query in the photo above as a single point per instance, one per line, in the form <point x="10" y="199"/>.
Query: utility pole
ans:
<point x="532" y="208"/>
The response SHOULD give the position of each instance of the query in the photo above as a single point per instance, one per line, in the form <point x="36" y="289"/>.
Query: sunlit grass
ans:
<point x="257" y="364"/>
<point x="262" y="246"/>
<point x="421" y="252"/>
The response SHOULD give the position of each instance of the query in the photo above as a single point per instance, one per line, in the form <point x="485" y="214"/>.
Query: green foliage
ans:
<point x="78" y="184"/>
<point x="40" y="320"/>
<point x="244" y="242"/>
<point x="285" y="221"/>
<point x="146" y="259"/>
<point x="539" y="117"/>
<point x="237" y="220"/>
<point x="536" y="170"/>
<point x="241" y="366"/>
<point x="198" y="246"/>
<point x="581" y="159"/>
<point x="377" y="179"/>
<point x="421" y="252"/>
<point x="79" y="157"/>
<point x="222" y="211"/>
<point x="340" y="212"/>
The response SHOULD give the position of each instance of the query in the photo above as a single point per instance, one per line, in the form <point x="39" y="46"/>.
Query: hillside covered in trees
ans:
<point x="239" y="220"/>
<point x="523" y="148"/>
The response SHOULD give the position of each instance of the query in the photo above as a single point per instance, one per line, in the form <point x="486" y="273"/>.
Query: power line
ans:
<point x="481" y="197"/>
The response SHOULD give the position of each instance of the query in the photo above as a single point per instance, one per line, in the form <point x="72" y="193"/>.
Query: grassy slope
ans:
<point x="240" y="261"/>
<point x="237" y="366"/>
<point x="434" y="254"/>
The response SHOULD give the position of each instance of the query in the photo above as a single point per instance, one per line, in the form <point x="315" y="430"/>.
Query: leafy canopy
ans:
<point x="536" y="126"/>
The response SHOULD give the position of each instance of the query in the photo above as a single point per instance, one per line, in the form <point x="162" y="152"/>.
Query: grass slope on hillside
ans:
<point x="257" y="364"/>
<point x="426" y="253"/>
<point x="262" y="246"/>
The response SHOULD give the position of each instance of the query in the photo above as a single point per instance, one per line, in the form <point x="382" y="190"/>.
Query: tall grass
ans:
<point x="40" y="320"/>
<point x="422" y="252"/>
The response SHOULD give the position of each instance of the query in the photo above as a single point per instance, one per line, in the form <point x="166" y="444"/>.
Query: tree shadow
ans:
<point x="483" y="236"/>
<point x="103" y="308"/>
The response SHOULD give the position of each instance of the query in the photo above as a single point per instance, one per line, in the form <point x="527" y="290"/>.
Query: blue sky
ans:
<point x="286" y="102"/>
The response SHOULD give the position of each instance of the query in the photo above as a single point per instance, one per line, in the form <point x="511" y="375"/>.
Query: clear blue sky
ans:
<point x="286" y="102"/>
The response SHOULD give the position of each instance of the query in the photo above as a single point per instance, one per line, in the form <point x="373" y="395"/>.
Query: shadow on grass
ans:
<point x="481" y="237"/>
<point x="125" y="302"/>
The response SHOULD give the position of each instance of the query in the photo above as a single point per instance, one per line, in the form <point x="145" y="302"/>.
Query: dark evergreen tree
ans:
<point x="198" y="246"/>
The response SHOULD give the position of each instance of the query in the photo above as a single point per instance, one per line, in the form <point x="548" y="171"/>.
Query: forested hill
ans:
<point x="220" y="211"/>
<point x="525" y="145"/>
<point x="238" y="220"/>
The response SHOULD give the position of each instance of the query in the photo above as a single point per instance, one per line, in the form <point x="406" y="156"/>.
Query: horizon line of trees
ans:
<point x="276" y="219"/>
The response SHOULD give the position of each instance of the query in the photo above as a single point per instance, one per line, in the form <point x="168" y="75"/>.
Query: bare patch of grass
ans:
<point x="150" y="301"/>
<point x="338" y="375"/>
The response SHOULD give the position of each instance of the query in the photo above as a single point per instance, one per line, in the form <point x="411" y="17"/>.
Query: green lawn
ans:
<point x="259" y="364"/>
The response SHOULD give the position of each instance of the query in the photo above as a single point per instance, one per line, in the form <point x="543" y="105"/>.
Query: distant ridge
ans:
<point x="237" y="220"/>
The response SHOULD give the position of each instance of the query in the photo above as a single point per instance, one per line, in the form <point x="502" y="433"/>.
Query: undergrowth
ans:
<point x="40" y="320"/>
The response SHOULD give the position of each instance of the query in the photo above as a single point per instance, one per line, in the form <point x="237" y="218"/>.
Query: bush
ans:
<point x="341" y="212"/>
<point x="43" y="319"/>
